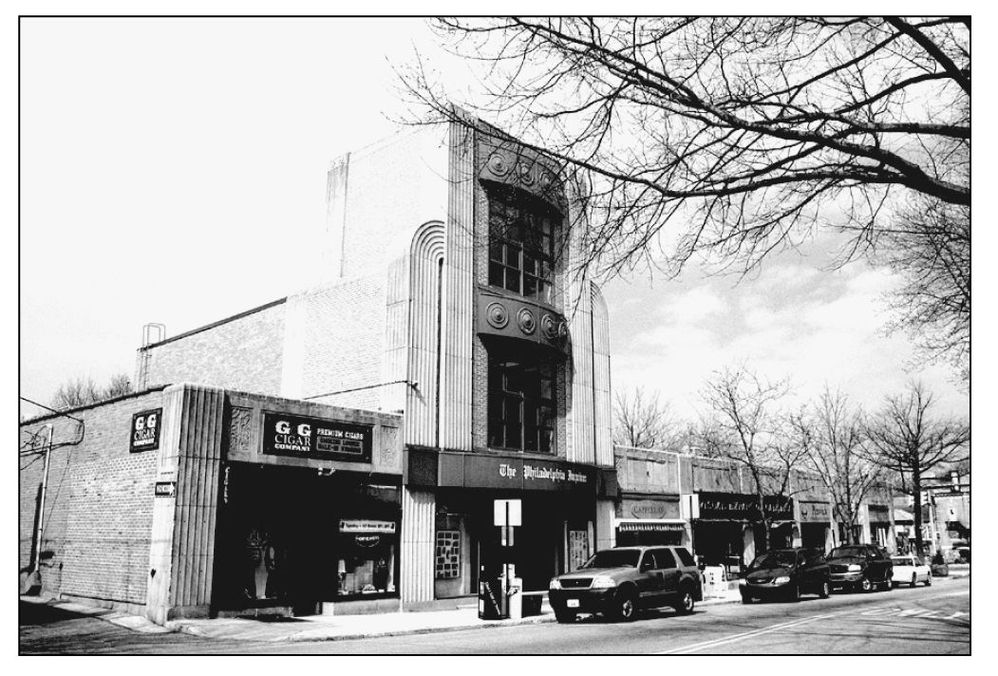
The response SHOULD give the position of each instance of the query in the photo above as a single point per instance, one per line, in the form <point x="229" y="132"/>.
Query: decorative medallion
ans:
<point x="525" y="318"/>
<point x="550" y="327"/>
<point x="498" y="165"/>
<point x="497" y="315"/>
<point x="526" y="173"/>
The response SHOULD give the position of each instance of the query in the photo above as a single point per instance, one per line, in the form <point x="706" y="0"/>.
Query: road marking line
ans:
<point x="748" y="634"/>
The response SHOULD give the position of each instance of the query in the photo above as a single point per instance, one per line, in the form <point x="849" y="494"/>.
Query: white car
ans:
<point x="911" y="569"/>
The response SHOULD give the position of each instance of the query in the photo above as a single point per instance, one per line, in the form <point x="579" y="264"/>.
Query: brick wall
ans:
<point x="343" y="334"/>
<point x="99" y="502"/>
<point x="242" y="353"/>
<point x="380" y="192"/>
<point x="649" y="472"/>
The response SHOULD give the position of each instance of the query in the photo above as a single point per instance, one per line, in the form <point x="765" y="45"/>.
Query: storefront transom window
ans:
<point x="521" y="244"/>
<point x="521" y="404"/>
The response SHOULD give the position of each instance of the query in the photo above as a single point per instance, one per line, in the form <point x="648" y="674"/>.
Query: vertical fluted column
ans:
<point x="602" y="410"/>
<point x="418" y="513"/>
<point x="458" y="293"/>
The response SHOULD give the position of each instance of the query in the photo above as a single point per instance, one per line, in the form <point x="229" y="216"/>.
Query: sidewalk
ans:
<point x="341" y="627"/>
<point x="122" y="619"/>
<point x="320" y="627"/>
<point x="959" y="570"/>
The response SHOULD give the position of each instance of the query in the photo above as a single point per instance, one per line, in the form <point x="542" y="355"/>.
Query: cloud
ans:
<point x="692" y="306"/>
<point x="812" y="326"/>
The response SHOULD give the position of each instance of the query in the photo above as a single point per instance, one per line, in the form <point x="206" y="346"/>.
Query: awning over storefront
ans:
<point x="431" y="468"/>
<point x="738" y="507"/>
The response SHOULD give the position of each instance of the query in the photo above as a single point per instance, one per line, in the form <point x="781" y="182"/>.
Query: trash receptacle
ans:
<point x="532" y="603"/>
<point x="490" y="606"/>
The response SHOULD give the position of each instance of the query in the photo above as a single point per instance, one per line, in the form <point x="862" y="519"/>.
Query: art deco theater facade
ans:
<point x="342" y="448"/>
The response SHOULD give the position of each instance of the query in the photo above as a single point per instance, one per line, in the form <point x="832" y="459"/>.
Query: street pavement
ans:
<point x="933" y="620"/>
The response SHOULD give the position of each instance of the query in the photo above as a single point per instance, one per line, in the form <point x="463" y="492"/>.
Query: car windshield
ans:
<point x="614" y="558"/>
<point x="901" y="560"/>
<point x="777" y="559"/>
<point x="847" y="551"/>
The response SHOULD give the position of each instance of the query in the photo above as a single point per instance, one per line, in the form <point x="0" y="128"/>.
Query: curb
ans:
<point x="542" y="619"/>
<point x="488" y="624"/>
<point x="308" y="635"/>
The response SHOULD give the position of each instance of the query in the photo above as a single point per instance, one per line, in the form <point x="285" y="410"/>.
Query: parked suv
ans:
<point x="786" y="573"/>
<point x="618" y="582"/>
<point x="860" y="567"/>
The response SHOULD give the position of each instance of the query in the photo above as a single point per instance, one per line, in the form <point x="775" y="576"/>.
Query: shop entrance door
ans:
<point x="266" y="554"/>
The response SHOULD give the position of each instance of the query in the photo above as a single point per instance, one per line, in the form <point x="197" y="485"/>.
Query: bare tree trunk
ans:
<point x="765" y="523"/>
<point x="916" y="490"/>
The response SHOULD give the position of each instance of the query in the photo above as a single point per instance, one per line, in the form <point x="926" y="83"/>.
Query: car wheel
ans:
<point x="627" y="605"/>
<point x="914" y="578"/>
<point x="746" y="599"/>
<point x="825" y="591"/>
<point x="866" y="585"/>
<point x="795" y="593"/>
<point x="564" y="616"/>
<point x="928" y="580"/>
<point x="686" y="602"/>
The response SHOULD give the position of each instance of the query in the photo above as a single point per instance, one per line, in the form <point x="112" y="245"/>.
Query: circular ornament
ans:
<point x="549" y="326"/>
<point x="526" y="174"/>
<point x="497" y="164"/>
<point x="496" y="315"/>
<point x="525" y="318"/>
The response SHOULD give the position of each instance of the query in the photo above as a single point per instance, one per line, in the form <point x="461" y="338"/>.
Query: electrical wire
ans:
<point x="81" y="431"/>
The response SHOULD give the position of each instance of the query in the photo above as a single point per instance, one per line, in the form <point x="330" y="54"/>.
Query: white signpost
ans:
<point x="508" y="513"/>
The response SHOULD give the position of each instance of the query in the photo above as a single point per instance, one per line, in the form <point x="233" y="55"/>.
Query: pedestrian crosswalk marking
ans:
<point x="919" y="613"/>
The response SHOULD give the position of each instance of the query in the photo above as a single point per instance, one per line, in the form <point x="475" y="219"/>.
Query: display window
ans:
<point x="367" y="557"/>
<point x="290" y="537"/>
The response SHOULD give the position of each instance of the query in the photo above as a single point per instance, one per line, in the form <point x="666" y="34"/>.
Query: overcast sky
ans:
<point x="174" y="171"/>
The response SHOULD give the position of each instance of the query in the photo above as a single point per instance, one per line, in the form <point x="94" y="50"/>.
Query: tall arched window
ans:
<point x="522" y="233"/>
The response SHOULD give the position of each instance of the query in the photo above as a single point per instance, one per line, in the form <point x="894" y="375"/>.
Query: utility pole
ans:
<point x="41" y="502"/>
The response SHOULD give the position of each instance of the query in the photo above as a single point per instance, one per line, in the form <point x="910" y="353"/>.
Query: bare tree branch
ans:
<point x="725" y="139"/>
<point x="906" y="437"/>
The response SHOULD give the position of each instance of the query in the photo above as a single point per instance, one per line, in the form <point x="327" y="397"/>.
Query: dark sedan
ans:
<point x="786" y="574"/>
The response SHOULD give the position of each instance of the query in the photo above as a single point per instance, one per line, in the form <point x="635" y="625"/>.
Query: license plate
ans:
<point x="572" y="603"/>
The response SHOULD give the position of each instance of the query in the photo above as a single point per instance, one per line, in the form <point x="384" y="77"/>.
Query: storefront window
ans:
<point x="521" y="244"/>
<point x="367" y="552"/>
<point x="289" y="537"/>
<point x="521" y="404"/>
